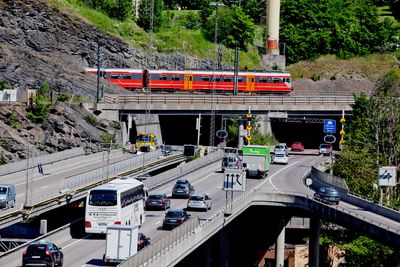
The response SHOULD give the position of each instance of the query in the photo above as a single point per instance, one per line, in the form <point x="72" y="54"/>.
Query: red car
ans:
<point x="297" y="146"/>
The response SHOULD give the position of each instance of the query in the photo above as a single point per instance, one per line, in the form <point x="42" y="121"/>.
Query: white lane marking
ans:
<point x="203" y="178"/>
<point x="157" y="222"/>
<point x="79" y="240"/>
<point x="269" y="179"/>
<point x="44" y="187"/>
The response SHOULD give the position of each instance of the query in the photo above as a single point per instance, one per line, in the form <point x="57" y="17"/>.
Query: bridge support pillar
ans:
<point x="223" y="248"/>
<point x="280" y="245"/>
<point x="265" y="125"/>
<point x="313" y="245"/>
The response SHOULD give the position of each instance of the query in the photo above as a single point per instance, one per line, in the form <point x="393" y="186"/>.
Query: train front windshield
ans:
<point x="143" y="138"/>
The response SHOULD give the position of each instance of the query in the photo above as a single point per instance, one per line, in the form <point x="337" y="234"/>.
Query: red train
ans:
<point x="199" y="81"/>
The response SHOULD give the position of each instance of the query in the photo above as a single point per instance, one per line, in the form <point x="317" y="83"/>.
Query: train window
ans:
<point x="227" y="79"/>
<point x="163" y="77"/>
<point x="205" y="78"/>
<point x="277" y="80"/>
<point x="114" y="76"/>
<point x="240" y="79"/>
<point x="288" y="80"/>
<point x="190" y="78"/>
<point x="217" y="79"/>
<point x="175" y="78"/>
<point x="126" y="76"/>
<point x="263" y="80"/>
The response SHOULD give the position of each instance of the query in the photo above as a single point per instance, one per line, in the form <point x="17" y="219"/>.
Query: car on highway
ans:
<point x="281" y="146"/>
<point x="280" y="157"/>
<point x="182" y="190"/>
<point x="7" y="196"/>
<point x="158" y="201"/>
<point x="199" y="201"/>
<point x="143" y="241"/>
<point x="174" y="218"/>
<point x="231" y="161"/>
<point x="297" y="146"/>
<point x="166" y="150"/>
<point x="42" y="254"/>
<point x="325" y="149"/>
<point x="329" y="195"/>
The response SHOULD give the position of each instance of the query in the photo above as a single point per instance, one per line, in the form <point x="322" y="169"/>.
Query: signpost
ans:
<point x="234" y="180"/>
<point x="329" y="126"/>
<point x="387" y="176"/>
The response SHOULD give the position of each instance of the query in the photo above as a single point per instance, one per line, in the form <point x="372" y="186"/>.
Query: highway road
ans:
<point x="88" y="250"/>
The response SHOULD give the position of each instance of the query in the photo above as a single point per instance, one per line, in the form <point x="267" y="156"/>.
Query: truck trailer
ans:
<point x="256" y="161"/>
<point x="121" y="243"/>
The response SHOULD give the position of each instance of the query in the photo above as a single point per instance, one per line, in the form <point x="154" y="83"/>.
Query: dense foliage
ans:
<point x="146" y="10"/>
<point x="235" y="29"/>
<point x="117" y="9"/>
<point x="373" y="139"/>
<point x="358" y="250"/>
<point x="344" y="28"/>
<point x="40" y="109"/>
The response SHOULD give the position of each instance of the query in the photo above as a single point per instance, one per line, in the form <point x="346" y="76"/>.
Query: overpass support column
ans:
<point x="151" y="124"/>
<point x="313" y="245"/>
<point x="223" y="248"/>
<point x="280" y="246"/>
<point x="265" y="125"/>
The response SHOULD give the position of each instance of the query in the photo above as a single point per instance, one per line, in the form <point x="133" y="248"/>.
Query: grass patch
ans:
<point x="326" y="67"/>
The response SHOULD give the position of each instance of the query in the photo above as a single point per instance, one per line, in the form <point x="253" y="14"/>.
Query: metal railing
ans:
<point x="197" y="232"/>
<point x="228" y="100"/>
<point x="43" y="159"/>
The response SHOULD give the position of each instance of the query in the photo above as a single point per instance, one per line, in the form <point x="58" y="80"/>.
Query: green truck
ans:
<point x="256" y="160"/>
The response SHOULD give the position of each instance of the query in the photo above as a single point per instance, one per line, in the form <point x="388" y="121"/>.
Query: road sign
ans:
<point x="387" y="176"/>
<point x="221" y="134"/>
<point x="329" y="126"/>
<point x="329" y="139"/>
<point x="234" y="180"/>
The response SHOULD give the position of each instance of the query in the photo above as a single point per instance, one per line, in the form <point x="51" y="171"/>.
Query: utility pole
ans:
<point x="218" y="67"/>
<point x="236" y="68"/>
<point x="98" y="73"/>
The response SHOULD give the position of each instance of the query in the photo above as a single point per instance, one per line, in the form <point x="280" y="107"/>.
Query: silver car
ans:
<point x="201" y="201"/>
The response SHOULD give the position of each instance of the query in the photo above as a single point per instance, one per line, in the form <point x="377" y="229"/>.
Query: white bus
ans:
<point x="120" y="201"/>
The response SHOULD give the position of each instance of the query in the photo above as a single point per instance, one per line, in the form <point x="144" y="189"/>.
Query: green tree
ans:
<point x="4" y="85"/>
<point x="343" y="28"/>
<point x="144" y="19"/>
<point x="40" y="109"/>
<point x="117" y="9"/>
<point x="235" y="29"/>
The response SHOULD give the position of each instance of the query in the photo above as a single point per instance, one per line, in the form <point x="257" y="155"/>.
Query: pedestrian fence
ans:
<point x="32" y="162"/>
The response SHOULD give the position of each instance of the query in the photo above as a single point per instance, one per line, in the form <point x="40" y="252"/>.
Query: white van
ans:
<point x="7" y="195"/>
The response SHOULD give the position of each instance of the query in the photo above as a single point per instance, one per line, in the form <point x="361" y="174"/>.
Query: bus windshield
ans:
<point x="103" y="198"/>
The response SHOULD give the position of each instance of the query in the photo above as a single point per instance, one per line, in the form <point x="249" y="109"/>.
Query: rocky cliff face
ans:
<point x="40" y="44"/>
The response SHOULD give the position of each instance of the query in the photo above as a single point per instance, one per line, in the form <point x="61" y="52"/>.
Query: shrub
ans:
<point x="63" y="97"/>
<point x="40" y="109"/>
<point x="315" y="77"/>
<point x="107" y="137"/>
<point x="3" y="160"/>
<point x="4" y="85"/>
<point x="12" y="120"/>
<point x="91" y="120"/>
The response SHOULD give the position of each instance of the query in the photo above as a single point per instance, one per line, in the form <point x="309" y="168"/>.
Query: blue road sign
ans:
<point x="329" y="126"/>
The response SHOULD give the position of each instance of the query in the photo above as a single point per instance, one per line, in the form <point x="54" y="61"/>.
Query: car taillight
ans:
<point x="88" y="224"/>
<point x="162" y="201"/>
<point x="117" y="222"/>
<point x="181" y="220"/>
<point x="48" y="252"/>
<point x="204" y="201"/>
<point x="24" y="253"/>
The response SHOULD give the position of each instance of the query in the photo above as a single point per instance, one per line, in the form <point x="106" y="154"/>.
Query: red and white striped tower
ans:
<point x="273" y="12"/>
